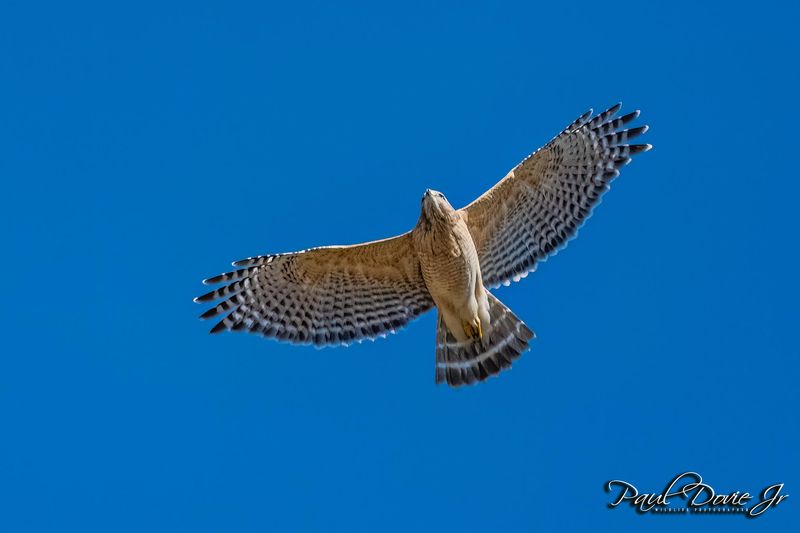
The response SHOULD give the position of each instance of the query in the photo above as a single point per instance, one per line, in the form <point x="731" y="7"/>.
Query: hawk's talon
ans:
<point x="473" y="330"/>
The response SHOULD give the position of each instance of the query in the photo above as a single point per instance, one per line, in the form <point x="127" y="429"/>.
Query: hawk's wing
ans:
<point x="328" y="295"/>
<point x="541" y="203"/>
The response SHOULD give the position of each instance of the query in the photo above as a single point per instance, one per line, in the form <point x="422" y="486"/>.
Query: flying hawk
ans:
<point x="335" y="295"/>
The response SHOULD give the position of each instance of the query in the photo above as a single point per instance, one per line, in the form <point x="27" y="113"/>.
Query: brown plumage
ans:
<point x="341" y="294"/>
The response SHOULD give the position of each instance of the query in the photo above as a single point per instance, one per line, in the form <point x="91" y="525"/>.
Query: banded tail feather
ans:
<point x="465" y="363"/>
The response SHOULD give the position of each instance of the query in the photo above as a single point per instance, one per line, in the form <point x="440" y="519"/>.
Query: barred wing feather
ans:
<point x="321" y="296"/>
<point x="538" y="206"/>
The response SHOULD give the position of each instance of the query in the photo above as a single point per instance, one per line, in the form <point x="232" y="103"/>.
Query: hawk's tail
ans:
<point x="466" y="362"/>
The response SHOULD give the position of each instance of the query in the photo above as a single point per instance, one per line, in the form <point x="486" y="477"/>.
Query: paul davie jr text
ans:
<point x="687" y="493"/>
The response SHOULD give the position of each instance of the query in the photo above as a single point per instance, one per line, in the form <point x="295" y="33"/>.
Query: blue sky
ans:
<point x="145" y="146"/>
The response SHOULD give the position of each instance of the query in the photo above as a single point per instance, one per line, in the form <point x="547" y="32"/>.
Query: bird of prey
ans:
<point x="335" y="295"/>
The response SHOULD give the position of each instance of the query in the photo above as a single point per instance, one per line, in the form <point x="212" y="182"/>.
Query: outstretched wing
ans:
<point x="328" y="295"/>
<point x="540" y="204"/>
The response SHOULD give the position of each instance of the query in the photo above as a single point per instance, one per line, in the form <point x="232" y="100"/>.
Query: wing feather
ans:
<point x="327" y="295"/>
<point x="538" y="206"/>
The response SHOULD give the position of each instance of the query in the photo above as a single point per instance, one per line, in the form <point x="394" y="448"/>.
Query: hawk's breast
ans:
<point x="449" y="262"/>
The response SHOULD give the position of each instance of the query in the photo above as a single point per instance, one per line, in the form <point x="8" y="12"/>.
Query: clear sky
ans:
<point x="147" y="145"/>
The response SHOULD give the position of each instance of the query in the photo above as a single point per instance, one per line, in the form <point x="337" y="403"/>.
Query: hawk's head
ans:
<point x="435" y="206"/>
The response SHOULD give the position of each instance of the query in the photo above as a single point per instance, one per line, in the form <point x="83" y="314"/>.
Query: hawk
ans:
<point x="334" y="295"/>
